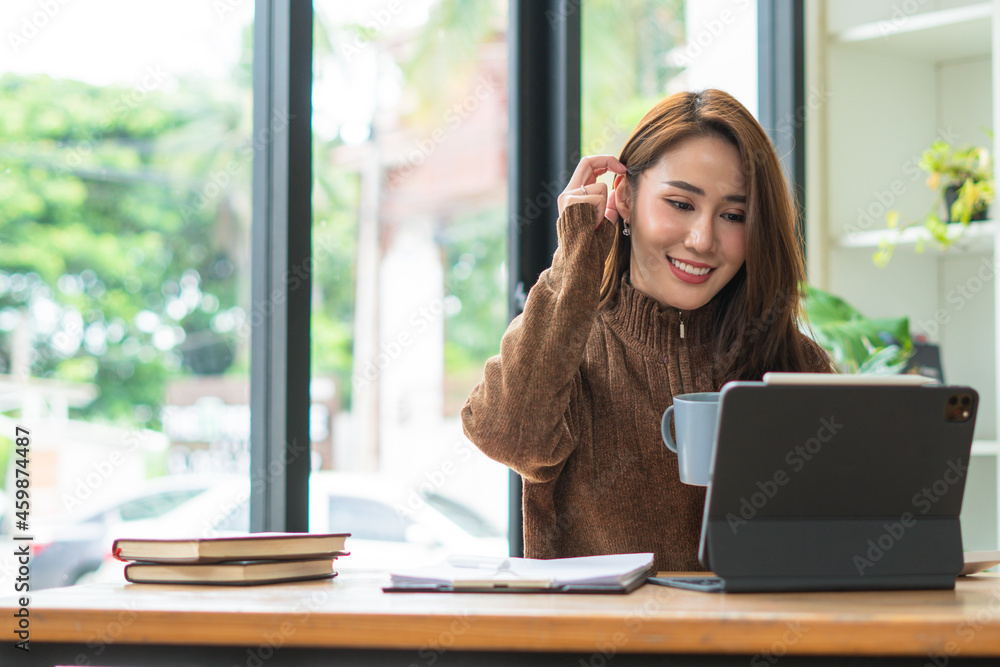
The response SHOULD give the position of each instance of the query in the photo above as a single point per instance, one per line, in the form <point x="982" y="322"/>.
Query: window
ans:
<point x="635" y="54"/>
<point x="409" y="242"/>
<point x="125" y="225"/>
<point x="155" y="505"/>
<point x="367" y="519"/>
<point x="125" y="220"/>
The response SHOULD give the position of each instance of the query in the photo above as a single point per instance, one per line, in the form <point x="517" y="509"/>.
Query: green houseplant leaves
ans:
<point x="856" y="343"/>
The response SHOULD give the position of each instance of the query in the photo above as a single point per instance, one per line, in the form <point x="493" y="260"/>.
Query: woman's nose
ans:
<point x="701" y="236"/>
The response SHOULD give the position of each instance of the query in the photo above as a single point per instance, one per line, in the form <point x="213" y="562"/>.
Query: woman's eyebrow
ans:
<point x="684" y="185"/>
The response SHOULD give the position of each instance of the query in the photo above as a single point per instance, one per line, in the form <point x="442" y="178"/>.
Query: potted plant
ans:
<point x="963" y="179"/>
<point x="964" y="176"/>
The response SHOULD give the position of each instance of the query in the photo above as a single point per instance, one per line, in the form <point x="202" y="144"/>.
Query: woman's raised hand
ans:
<point x="583" y="186"/>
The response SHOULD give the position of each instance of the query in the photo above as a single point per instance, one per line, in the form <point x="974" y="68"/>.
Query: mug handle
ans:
<point x="665" y="430"/>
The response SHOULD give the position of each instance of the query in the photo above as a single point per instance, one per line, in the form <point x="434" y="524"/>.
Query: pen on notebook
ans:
<point x="479" y="562"/>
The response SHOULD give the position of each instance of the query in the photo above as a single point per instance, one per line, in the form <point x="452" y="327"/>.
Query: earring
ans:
<point x="625" y="231"/>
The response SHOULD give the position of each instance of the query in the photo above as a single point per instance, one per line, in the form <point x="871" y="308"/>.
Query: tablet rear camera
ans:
<point x="958" y="407"/>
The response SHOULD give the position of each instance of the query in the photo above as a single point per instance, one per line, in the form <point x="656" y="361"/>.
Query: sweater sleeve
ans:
<point x="518" y="414"/>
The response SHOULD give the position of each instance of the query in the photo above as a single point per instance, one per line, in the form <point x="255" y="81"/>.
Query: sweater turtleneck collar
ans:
<point x="640" y="317"/>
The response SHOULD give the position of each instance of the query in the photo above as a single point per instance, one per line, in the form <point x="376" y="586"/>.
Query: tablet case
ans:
<point x="838" y="487"/>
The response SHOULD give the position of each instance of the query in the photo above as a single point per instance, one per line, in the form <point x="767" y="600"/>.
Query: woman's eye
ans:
<point x="682" y="205"/>
<point x="734" y="217"/>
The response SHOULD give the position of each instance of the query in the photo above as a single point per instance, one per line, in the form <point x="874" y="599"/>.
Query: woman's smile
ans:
<point x="690" y="271"/>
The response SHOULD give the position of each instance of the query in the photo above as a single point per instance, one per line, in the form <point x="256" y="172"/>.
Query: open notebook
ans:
<point x="617" y="573"/>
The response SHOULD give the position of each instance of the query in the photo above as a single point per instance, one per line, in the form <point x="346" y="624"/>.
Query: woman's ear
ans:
<point x="622" y="196"/>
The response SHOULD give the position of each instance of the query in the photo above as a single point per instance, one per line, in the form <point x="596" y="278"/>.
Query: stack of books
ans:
<point x="254" y="558"/>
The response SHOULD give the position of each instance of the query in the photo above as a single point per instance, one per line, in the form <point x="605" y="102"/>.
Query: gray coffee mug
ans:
<point x="695" y="417"/>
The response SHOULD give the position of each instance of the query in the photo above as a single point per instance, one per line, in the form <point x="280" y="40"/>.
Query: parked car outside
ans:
<point x="394" y="526"/>
<point x="65" y="552"/>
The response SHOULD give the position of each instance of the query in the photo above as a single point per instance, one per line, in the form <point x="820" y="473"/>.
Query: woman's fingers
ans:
<point x="611" y="211"/>
<point x="583" y="184"/>
<point x="591" y="167"/>
<point x="595" y="194"/>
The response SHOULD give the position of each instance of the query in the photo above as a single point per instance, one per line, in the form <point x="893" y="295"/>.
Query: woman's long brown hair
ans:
<point x="756" y="325"/>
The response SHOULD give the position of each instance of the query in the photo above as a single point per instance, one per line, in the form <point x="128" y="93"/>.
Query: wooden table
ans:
<point x="350" y="621"/>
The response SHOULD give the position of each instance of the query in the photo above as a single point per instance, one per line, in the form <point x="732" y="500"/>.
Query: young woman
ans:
<point x="684" y="278"/>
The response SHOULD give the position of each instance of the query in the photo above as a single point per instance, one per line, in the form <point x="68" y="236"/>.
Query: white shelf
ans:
<point x="892" y="86"/>
<point x="931" y="36"/>
<point x="985" y="448"/>
<point x="978" y="237"/>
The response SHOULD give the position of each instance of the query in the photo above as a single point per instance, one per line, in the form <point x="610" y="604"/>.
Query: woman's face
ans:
<point x="687" y="223"/>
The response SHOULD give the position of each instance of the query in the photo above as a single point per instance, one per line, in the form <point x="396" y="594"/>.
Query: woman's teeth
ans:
<point x="687" y="268"/>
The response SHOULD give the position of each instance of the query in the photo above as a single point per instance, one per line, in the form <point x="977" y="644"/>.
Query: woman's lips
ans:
<point x="687" y="277"/>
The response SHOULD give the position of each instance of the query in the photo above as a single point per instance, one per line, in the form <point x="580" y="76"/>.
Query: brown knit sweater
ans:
<point x="573" y="404"/>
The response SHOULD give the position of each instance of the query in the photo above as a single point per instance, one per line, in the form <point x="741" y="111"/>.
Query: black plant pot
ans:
<point x="951" y="194"/>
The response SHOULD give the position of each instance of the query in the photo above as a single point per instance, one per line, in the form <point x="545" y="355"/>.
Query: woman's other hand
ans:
<point x="583" y="186"/>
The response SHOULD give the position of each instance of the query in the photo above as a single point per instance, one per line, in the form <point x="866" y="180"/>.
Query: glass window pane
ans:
<point x="719" y="49"/>
<point x="410" y="243"/>
<point x="636" y="53"/>
<point x="624" y="66"/>
<point x="367" y="519"/>
<point x="125" y="169"/>
<point x="154" y="506"/>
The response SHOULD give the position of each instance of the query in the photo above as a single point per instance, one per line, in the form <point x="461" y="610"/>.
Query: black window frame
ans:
<point x="281" y="227"/>
<point x="781" y="91"/>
